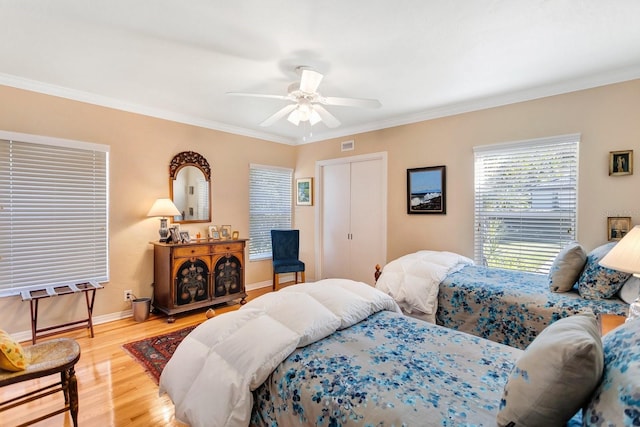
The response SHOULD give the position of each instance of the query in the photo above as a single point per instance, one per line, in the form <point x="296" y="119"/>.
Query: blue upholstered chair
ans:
<point x="285" y="247"/>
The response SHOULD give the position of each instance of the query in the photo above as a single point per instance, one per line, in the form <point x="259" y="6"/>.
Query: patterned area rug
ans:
<point x="153" y="353"/>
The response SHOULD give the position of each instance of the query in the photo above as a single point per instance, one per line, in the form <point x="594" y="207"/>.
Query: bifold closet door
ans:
<point x="352" y="220"/>
<point x="366" y="216"/>
<point x="336" y="205"/>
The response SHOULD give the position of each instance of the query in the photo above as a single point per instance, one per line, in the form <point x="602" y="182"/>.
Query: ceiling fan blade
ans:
<point x="278" y="115"/>
<point x="350" y="102"/>
<point x="258" y="95"/>
<point x="310" y="80"/>
<point x="326" y="116"/>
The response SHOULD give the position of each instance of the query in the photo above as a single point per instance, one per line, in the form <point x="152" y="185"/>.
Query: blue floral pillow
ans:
<point x="617" y="399"/>
<point x="598" y="282"/>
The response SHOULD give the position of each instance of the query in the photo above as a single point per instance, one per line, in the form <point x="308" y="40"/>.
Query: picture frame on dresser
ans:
<point x="225" y="232"/>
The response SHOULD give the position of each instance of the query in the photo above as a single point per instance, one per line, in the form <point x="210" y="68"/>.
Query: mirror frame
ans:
<point x="189" y="158"/>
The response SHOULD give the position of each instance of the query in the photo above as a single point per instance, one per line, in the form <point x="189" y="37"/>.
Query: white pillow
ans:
<point x="556" y="374"/>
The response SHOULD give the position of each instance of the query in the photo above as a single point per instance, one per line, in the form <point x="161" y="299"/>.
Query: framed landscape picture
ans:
<point x="304" y="192"/>
<point x="426" y="190"/>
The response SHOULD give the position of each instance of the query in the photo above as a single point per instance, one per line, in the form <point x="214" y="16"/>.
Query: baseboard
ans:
<point x="112" y="317"/>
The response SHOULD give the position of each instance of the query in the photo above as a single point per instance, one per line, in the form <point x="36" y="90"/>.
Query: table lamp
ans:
<point x="163" y="208"/>
<point x="625" y="256"/>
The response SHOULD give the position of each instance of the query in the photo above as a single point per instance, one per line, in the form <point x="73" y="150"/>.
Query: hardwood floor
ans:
<point x="114" y="389"/>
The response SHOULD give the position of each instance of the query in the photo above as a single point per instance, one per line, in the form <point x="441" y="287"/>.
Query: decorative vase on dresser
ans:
<point x="198" y="274"/>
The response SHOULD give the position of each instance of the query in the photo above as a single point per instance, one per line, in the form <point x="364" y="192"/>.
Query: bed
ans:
<point x="505" y="306"/>
<point x="340" y="353"/>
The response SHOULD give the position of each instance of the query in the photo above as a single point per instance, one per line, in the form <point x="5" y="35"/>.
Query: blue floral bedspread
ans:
<point x="388" y="370"/>
<point x="509" y="307"/>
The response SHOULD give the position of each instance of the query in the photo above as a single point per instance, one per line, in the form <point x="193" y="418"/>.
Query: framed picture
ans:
<point x="174" y="235"/>
<point x="184" y="237"/>
<point x="621" y="163"/>
<point x="426" y="190"/>
<point x="304" y="192"/>
<point x="212" y="229"/>
<point x="235" y="235"/>
<point x="225" y="232"/>
<point x="215" y="235"/>
<point x="618" y="227"/>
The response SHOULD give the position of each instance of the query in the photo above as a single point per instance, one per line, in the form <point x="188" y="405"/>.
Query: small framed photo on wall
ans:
<point x="618" y="227"/>
<point x="621" y="163"/>
<point x="304" y="192"/>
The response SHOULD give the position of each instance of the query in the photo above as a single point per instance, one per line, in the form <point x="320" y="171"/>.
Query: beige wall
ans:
<point x="141" y="148"/>
<point x="608" y="118"/>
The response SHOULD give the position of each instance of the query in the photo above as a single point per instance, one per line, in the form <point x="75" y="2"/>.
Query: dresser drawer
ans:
<point x="191" y="251"/>
<point x="224" y="248"/>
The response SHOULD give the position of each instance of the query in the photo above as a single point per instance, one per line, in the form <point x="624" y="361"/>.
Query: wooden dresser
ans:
<point x="203" y="273"/>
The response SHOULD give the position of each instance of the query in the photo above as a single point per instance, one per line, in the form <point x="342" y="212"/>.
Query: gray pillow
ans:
<point x="556" y="374"/>
<point x="566" y="267"/>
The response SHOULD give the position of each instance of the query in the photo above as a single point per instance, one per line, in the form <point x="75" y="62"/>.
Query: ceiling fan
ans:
<point x="308" y="103"/>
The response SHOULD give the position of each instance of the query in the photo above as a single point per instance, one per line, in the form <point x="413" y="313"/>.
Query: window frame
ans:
<point x="56" y="218"/>
<point x="260" y="238"/>
<point x="538" y="207"/>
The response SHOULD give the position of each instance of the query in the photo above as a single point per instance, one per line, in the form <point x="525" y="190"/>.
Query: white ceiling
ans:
<point x="421" y="58"/>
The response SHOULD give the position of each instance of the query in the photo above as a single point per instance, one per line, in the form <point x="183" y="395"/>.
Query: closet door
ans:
<point x="366" y="220"/>
<point x="353" y="219"/>
<point x="336" y="213"/>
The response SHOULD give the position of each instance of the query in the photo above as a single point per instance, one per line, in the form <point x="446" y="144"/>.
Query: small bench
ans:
<point x="57" y="356"/>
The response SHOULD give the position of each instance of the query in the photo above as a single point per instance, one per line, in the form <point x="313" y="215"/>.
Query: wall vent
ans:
<point x="348" y="145"/>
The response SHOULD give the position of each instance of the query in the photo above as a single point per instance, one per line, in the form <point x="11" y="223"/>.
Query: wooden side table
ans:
<point x="608" y="322"/>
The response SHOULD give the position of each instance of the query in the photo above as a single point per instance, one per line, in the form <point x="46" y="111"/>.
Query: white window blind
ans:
<point x="270" y="196"/>
<point x="53" y="212"/>
<point x="525" y="202"/>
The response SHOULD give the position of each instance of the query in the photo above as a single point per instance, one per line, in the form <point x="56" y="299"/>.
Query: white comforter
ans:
<point x="413" y="280"/>
<point x="213" y="371"/>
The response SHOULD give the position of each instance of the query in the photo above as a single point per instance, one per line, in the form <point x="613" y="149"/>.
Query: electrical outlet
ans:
<point x="128" y="295"/>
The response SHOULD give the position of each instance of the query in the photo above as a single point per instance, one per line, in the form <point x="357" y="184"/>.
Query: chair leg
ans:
<point x="302" y="276"/>
<point x="73" y="396"/>
<point x="275" y="281"/>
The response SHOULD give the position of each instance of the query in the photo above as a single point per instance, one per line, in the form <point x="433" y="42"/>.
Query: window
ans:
<point x="270" y="196"/>
<point x="525" y="202"/>
<point x="53" y="212"/>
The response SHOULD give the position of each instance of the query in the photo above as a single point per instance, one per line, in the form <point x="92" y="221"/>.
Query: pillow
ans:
<point x="615" y="401"/>
<point x="556" y="374"/>
<point x="630" y="290"/>
<point x="598" y="282"/>
<point x="566" y="267"/>
<point x="11" y="354"/>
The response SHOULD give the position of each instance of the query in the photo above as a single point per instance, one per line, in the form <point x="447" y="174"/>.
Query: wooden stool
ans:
<point x="47" y="358"/>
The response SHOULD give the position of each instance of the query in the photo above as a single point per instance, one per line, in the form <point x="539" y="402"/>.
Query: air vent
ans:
<point x="348" y="145"/>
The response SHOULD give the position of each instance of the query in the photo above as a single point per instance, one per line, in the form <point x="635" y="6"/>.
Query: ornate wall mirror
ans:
<point x="190" y="187"/>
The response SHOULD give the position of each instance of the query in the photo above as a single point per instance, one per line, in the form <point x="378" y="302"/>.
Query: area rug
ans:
<point x="153" y="353"/>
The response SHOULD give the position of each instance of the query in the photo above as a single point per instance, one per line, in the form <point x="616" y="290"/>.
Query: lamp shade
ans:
<point x="625" y="255"/>
<point x="163" y="207"/>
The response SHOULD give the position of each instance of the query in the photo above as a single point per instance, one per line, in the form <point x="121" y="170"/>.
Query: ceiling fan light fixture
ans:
<point x="314" y="117"/>
<point x="294" y="117"/>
